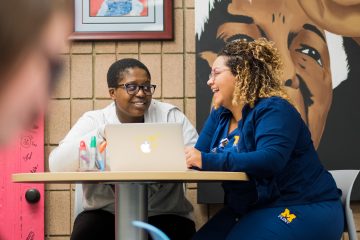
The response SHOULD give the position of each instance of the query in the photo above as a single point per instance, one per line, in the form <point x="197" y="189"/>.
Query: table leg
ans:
<point x="131" y="204"/>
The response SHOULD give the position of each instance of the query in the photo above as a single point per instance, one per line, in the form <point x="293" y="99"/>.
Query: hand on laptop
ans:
<point x="193" y="158"/>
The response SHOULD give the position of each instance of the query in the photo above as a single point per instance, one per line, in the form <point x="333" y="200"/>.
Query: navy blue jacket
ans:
<point x="275" y="150"/>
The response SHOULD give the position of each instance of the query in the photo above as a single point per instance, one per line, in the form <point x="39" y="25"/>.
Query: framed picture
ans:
<point x="123" y="19"/>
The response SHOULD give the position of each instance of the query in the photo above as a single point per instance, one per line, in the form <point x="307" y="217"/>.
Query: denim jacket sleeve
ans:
<point x="276" y="127"/>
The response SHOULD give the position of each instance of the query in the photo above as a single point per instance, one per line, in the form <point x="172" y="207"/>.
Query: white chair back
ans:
<point x="345" y="180"/>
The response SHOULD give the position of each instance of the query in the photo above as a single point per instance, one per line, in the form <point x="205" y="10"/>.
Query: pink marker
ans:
<point x="83" y="157"/>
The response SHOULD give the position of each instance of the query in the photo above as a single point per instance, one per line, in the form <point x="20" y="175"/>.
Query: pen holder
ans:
<point x="84" y="157"/>
<point x="93" y="158"/>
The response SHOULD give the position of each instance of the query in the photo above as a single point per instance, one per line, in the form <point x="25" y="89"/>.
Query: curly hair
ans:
<point x="257" y="67"/>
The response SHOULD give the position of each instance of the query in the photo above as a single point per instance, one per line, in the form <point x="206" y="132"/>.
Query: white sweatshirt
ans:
<point x="163" y="198"/>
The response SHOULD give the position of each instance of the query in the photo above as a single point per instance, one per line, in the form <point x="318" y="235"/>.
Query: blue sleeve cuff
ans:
<point x="212" y="162"/>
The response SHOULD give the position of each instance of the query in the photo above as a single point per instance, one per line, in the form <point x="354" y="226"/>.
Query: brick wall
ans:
<point x="83" y="88"/>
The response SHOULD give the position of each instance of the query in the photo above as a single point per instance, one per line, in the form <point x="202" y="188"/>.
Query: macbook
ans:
<point x="145" y="147"/>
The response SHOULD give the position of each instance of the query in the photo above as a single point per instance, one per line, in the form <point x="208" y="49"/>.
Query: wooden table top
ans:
<point x="128" y="176"/>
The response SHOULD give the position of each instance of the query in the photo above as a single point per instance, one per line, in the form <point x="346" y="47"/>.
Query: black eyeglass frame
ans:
<point x="149" y="92"/>
<point x="56" y="67"/>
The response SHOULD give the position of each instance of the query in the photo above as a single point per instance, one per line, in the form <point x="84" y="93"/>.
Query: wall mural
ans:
<point x="320" y="49"/>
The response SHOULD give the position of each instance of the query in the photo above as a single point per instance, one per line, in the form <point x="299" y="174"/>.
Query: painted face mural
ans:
<point x="319" y="64"/>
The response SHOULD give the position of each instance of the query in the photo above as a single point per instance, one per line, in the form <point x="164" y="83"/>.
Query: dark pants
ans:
<point x="99" y="224"/>
<point x="316" y="221"/>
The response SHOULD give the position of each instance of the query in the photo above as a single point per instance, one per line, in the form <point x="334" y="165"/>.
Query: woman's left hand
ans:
<point x="193" y="157"/>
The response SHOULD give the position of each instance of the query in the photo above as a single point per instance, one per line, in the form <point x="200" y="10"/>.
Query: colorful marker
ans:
<point x="92" y="153"/>
<point x="83" y="157"/>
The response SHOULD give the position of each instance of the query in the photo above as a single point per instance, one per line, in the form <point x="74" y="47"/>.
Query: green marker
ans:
<point x="92" y="153"/>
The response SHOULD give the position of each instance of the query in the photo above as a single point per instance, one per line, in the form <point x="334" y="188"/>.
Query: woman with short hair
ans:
<point x="130" y="87"/>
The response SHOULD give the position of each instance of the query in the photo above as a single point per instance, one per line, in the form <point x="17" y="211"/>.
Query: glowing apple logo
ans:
<point x="145" y="147"/>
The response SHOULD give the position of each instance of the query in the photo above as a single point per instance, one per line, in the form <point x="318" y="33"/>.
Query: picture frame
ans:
<point x="123" y="20"/>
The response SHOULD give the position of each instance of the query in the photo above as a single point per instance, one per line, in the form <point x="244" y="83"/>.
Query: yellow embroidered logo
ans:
<point x="286" y="216"/>
<point x="236" y="140"/>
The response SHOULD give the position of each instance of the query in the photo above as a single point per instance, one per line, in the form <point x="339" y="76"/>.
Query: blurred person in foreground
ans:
<point x="32" y="34"/>
<point x="255" y="128"/>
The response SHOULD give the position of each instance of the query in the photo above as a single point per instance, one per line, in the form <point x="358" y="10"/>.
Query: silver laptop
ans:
<point x="145" y="147"/>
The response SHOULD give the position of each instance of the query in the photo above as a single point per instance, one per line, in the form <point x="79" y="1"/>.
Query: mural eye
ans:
<point x="240" y="36"/>
<point x="311" y="52"/>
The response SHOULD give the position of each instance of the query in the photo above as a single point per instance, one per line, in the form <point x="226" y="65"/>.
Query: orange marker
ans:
<point x="102" y="146"/>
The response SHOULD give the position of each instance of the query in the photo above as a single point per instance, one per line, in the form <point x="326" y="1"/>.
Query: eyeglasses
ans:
<point x="56" y="66"/>
<point x="133" y="89"/>
<point x="213" y="74"/>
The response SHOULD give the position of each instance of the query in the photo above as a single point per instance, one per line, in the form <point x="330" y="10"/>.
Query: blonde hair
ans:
<point x="257" y="67"/>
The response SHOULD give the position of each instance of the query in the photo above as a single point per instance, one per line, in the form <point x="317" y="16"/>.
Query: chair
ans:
<point x="344" y="180"/>
<point x="78" y="207"/>
<point x="155" y="233"/>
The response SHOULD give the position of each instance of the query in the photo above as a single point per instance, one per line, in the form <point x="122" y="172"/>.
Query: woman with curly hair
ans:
<point x="255" y="128"/>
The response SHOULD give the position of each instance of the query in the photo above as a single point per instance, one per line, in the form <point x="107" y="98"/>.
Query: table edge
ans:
<point x="140" y="176"/>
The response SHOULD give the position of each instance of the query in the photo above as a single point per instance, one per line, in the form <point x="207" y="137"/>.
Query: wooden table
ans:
<point x="131" y="204"/>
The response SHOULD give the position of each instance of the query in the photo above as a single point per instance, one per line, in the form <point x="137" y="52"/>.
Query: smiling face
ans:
<point x="131" y="108"/>
<point x="301" y="43"/>
<point x="222" y="83"/>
